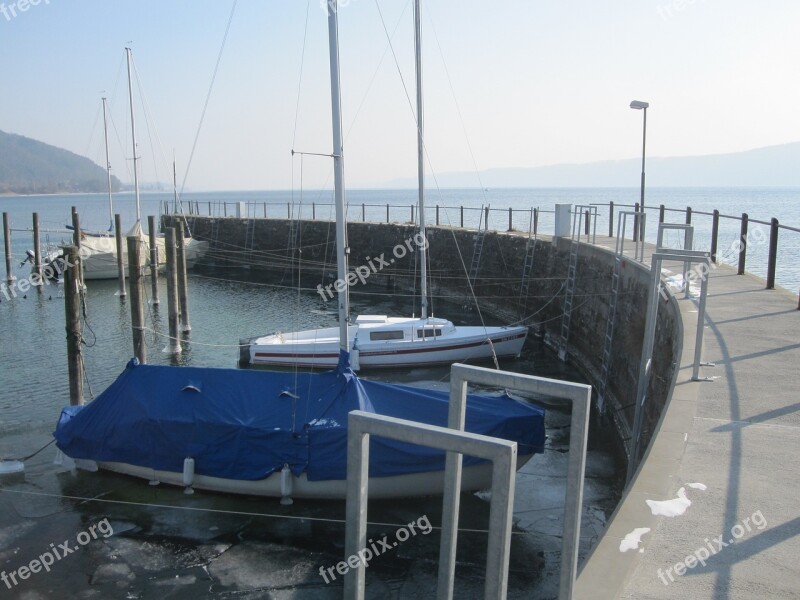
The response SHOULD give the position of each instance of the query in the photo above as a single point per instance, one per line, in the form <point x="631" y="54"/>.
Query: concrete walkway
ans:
<point x="726" y="458"/>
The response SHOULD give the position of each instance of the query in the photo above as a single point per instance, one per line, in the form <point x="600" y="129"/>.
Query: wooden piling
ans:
<point x="120" y="256"/>
<point x="37" y="253"/>
<point x="174" y="345"/>
<point x="151" y="224"/>
<point x="183" y="292"/>
<point x="76" y="241"/>
<point x="7" y="244"/>
<point x="72" y="309"/>
<point x="137" y="295"/>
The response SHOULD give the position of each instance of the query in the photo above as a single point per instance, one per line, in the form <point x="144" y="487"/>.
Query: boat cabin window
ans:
<point x="429" y="332"/>
<point x="379" y="336"/>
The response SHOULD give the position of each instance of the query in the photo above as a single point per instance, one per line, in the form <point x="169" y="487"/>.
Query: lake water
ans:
<point x="226" y="306"/>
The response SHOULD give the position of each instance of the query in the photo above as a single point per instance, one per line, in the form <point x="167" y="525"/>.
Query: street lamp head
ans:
<point x="638" y="104"/>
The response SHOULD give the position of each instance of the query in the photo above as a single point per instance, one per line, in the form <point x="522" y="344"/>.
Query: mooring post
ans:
<point x="76" y="237"/>
<point x="510" y="219"/>
<point x="462" y="217"/>
<point x="636" y="222"/>
<point x="587" y="224"/>
<point x="535" y="221"/>
<point x="151" y="224"/>
<point x="137" y="294"/>
<point x="661" y="212"/>
<point x="174" y="345"/>
<point x="743" y="244"/>
<point x="688" y="215"/>
<point x="72" y="308"/>
<point x="437" y="215"/>
<point x="183" y="292"/>
<point x="37" y="253"/>
<point x="387" y="213"/>
<point x="76" y="228"/>
<point x="7" y="243"/>
<point x="120" y="256"/>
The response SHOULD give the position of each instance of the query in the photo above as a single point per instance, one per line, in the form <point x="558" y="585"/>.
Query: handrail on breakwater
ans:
<point x="480" y="217"/>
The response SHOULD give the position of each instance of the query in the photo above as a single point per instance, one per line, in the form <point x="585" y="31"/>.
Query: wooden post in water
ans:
<point x="137" y="295"/>
<point x="174" y="345"/>
<point x="688" y="215"/>
<point x="37" y="253"/>
<point x="72" y="309"/>
<point x="76" y="240"/>
<point x="151" y="224"/>
<point x="183" y="292"/>
<point x="636" y="221"/>
<point x="120" y="256"/>
<point x="510" y="219"/>
<point x="7" y="244"/>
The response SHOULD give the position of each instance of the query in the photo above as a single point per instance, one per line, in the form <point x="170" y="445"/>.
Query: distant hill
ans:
<point x="31" y="167"/>
<point x="769" y="166"/>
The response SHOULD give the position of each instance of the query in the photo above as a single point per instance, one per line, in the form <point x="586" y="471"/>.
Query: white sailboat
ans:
<point x="380" y="341"/>
<point x="99" y="249"/>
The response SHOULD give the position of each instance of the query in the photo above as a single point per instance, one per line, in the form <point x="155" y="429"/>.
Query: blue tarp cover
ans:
<point x="246" y="424"/>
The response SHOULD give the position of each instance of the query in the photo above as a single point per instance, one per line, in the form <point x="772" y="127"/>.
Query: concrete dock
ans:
<point x="725" y="460"/>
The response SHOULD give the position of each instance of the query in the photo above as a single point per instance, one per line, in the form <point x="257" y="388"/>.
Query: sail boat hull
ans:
<point x="473" y="478"/>
<point x="385" y="342"/>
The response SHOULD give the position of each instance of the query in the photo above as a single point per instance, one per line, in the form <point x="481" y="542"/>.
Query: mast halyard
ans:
<point x="133" y="141"/>
<point x="423" y="288"/>
<point x="338" y="174"/>
<point x="108" y="167"/>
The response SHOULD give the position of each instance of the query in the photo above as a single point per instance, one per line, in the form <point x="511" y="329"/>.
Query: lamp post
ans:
<point x="639" y="105"/>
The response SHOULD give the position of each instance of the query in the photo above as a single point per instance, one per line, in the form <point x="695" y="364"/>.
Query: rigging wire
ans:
<point x="208" y="98"/>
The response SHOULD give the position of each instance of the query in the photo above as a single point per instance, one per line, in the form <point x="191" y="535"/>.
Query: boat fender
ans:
<point x="188" y="475"/>
<point x="286" y="486"/>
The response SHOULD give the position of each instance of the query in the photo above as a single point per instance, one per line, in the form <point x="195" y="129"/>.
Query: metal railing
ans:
<point x="503" y="455"/>
<point x="711" y="228"/>
<point x="470" y="217"/>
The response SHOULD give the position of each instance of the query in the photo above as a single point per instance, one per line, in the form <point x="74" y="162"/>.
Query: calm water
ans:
<point x="230" y="305"/>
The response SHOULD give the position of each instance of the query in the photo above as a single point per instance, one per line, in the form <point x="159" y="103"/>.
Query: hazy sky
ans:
<point x="537" y="82"/>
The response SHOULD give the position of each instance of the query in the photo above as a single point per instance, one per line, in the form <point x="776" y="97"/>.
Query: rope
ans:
<point x="24" y="458"/>
<point x="220" y="511"/>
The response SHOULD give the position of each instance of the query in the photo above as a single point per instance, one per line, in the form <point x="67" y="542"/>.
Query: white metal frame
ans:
<point x="457" y="442"/>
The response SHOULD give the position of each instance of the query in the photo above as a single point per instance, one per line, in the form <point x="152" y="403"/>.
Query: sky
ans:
<point x="507" y="83"/>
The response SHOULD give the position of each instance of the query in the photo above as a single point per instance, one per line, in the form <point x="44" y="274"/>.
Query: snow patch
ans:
<point x="633" y="539"/>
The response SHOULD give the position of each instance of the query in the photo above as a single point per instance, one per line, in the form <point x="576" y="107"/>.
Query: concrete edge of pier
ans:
<point x="735" y="435"/>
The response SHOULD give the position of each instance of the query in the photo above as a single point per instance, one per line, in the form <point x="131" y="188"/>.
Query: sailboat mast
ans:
<point x="338" y="174"/>
<point x="108" y="167"/>
<point x="423" y="287"/>
<point x="133" y="138"/>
